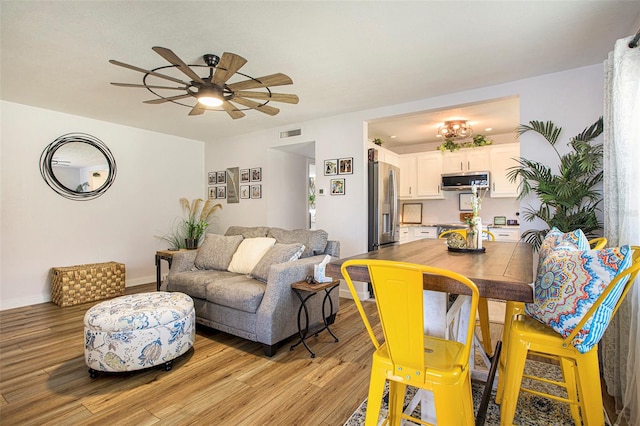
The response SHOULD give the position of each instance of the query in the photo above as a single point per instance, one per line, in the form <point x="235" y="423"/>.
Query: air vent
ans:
<point x="290" y="133"/>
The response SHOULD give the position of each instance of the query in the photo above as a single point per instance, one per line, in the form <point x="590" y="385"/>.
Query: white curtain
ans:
<point x="620" y="354"/>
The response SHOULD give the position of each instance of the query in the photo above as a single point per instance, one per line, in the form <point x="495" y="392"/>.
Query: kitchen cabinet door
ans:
<point x="408" y="175"/>
<point x="503" y="157"/>
<point x="506" y="234"/>
<point x="421" y="232"/>
<point x="429" y="175"/>
<point x="466" y="160"/>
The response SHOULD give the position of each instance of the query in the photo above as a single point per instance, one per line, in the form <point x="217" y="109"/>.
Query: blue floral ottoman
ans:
<point x="138" y="331"/>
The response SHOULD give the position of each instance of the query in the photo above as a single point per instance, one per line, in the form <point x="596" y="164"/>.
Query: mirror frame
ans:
<point x="46" y="166"/>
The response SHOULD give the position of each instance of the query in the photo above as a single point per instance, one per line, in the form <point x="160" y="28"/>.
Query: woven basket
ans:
<point x="72" y="285"/>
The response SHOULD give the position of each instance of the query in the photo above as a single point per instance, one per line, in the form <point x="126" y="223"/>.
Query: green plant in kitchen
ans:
<point x="197" y="214"/>
<point x="378" y="141"/>
<point x="569" y="199"/>
<point x="478" y="140"/>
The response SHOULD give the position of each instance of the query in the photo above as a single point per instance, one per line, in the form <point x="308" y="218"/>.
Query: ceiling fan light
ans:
<point x="209" y="97"/>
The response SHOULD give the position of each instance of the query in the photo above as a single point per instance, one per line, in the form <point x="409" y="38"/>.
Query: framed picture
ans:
<point x="256" y="191"/>
<point x="337" y="186"/>
<point x="221" y="192"/>
<point x="244" y="175"/>
<point x="244" y="191"/>
<point x="212" y="192"/>
<point x="221" y="177"/>
<point x="256" y="175"/>
<point x="330" y="167"/>
<point x="233" y="185"/>
<point x="464" y="202"/>
<point x="212" y="178"/>
<point x="345" y="166"/>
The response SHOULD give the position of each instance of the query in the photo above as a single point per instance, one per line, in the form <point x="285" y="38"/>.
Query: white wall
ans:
<point x="40" y="229"/>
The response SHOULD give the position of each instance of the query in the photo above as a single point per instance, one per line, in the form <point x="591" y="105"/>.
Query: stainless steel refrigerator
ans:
<point x="384" y="220"/>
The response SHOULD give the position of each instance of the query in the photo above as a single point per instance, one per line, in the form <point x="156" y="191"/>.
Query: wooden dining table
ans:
<point x="504" y="271"/>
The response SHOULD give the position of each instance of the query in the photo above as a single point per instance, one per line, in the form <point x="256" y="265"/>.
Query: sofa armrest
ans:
<point x="333" y="248"/>
<point x="182" y="261"/>
<point x="279" y="307"/>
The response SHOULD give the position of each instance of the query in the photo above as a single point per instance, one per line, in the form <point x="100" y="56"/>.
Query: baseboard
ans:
<point x="362" y="295"/>
<point x="139" y="281"/>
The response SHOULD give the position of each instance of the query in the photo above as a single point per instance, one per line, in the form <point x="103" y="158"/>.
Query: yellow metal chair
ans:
<point x="517" y="308"/>
<point x="580" y="371"/>
<point x="407" y="356"/>
<point x="483" y="304"/>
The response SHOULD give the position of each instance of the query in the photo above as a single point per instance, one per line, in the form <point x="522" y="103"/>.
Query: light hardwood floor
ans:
<point x="224" y="380"/>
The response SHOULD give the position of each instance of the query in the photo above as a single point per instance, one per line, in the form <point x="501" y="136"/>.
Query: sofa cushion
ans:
<point x="279" y="253"/>
<point x="248" y="231"/>
<point x="217" y="251"/>
<point x="569" y="282"/>
<point x="238" y="292"/>
<point x="315" y="242"/>
<point x="194" y="283"/>
<point x="249" y="253"/>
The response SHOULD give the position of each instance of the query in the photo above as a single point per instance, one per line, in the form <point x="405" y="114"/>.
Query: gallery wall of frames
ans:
<point x="235" y="184"/>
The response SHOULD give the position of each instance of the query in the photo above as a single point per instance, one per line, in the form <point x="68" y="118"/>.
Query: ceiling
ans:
<point x="342" y="56"/>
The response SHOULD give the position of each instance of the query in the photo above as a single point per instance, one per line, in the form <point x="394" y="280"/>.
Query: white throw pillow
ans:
<point x="249" y="253"/>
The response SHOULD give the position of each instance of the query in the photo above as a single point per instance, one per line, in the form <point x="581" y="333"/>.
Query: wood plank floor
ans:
<point x="224" y="380"/>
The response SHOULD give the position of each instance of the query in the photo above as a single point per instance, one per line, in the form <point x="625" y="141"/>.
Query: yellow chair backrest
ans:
<point x="398" y="290"/>
<point x="598" y="243"/>
<point x="463" y="232"/>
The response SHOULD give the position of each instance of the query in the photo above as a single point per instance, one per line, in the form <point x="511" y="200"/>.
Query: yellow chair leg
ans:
<point x="485" y="330"/>
<point x="511" y="309"/>
<point x="513" y="377"/>
<point x="569" y="377"/>
<point x="454" y="404"/>
<point x="374" y="399"/>
<point x="397" y="391"/>
<point x="589" y="388"/>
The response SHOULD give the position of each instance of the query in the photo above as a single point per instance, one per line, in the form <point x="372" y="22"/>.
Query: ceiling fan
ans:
<point x="214" y="91"/>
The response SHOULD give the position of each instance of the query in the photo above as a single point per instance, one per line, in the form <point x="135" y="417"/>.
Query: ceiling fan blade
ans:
<point x="231" y="110"/>
<point x="198" y="109"/>
<point x="142" y="70"/>
<point x="277" y="79"/>
<point x="269" y="110"/>
<point x="175" y="60"/>
<point x="276" y="97"/>
<point x="171" y="98"/>
<point x="227" y="67"/>
<point x="142" y="86"/>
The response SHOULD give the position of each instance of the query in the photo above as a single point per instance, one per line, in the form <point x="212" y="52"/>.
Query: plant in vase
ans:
<point x="474" y="231"/>
<point x="198" y="213"/>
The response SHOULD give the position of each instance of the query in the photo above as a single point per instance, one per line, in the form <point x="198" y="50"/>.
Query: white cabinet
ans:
<point x="502" y="158"/>
<point x="413" y="233"/>
<point x="420" y="175"/>
<point x="384" y="155"/>
<point x="429" y="171"/>
<point x="408" y="175"/>
<point x="466" y="160"/>
<point x="421" y="232"/>
<point x="506" y="234"/>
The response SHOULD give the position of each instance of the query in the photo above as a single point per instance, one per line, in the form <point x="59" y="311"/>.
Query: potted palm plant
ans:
<point x="197" y="215"/>
<point x="569" y="199"/>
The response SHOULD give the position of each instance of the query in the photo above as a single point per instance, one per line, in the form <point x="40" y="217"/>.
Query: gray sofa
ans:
<point x="234" y="294"/>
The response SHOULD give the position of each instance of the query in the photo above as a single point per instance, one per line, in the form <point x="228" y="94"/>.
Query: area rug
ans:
<point x="532" y="410"/>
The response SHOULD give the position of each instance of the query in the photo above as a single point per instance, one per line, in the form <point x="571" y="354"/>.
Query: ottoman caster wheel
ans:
<point x="93" y="373"/>
<point x="168" y="365"/>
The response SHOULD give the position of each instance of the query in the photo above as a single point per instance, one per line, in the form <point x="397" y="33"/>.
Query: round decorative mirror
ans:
<point x="78" y="166"/>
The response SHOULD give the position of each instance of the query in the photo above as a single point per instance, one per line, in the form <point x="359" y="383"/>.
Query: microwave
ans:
<point x="464" y="181"/>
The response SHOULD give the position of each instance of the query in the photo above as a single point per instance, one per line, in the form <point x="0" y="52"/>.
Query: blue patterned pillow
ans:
<point x="568" y="284"/>
<point x="558" y="240"/>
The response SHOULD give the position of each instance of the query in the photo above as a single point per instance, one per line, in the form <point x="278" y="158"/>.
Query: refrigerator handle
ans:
<point x="393" y="201"/>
